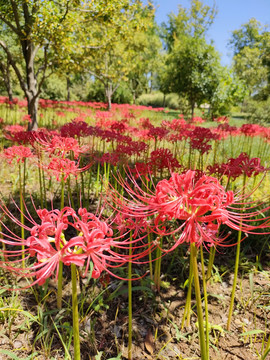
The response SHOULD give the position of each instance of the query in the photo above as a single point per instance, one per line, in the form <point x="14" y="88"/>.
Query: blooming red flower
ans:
<point x="18" y="153"/>
<point x="163" y="159"/>
<point x="74" y="129"/>
<point x="199" y="139"/>
<point x="61" y="146"/>
<point x="63" y="167"/>
<point x="48" y="245"/>
<point x="235" y="167"/>
<point x="192" y="208"/>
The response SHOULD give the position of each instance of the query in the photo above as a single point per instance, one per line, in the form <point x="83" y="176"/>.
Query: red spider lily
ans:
<point x="119" y="126"/>
<point x="10" y="130"/>
<point x="145" y="123"/>
<point x="18" y="153"/>
<point x="251" y="129"/>
<point x="141" y="169"/>
<point x="224" y="130"/>
<point x="61" y="146"/>
<point x="63" y="168"/>
<point x="157" y="132"/>
<point x="199" y="139"/>
<point x="197" y="120"/>
<point x="133" y="147"/>
<point x="74" y="129"/>
<point x="108" y="158"/>
<point x="195" y="208"/>
<point x="48" y="244"/>
<point x="163" y="159"/>
<point x="175" y="124"/>
<point x="27" y="118"/>
<point x="242" y="165"/>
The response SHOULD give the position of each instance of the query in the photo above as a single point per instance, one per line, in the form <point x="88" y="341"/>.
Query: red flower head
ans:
<point x="18" y="153"/>
<point x="47" y="243"/>
<point x="163" y="159"/>
<point x="242" y="165"/>
<point x="61" y="146"/>
<point x="74" y="129"/>
<point x="192" y="208"/>
<point x="63" y="167"/>
<point x="199" y="139"/>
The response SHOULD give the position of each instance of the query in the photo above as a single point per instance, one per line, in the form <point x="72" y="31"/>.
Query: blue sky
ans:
<point x="231" y="15"/>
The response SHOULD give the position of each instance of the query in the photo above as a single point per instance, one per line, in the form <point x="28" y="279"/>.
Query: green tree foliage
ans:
<point x="42" y="31"/>
<point x="114" y="45"/>
<point x="251" y="46"/>
<point x="193" y="68"/>
<point x="230" y="91"/>
<point x="192" y="22"/>
<point x="192" y="65"/>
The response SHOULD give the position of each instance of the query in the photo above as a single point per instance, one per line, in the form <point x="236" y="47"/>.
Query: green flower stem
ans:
<point x="62" y="192"/>
<point x="22" y="212"/>
<point x="205" y="303"/>
<point x="187" y="310"/>
<point x="193" y="250"/>
<point x="70" y="193"/>
<point x="267" y="350"/>
<point x="60" y="268"/>
<point x="98" y="179"/>
<point x="75" y="313"/>
<point x="60" y="285"/>
<point x="130" y="302"/>
<point x="149" y="236"/>
<point x="236" y="266"/>
<point x="40" y="178"/>
<point x="210" y="262"/>
<point x="157" y="279"/>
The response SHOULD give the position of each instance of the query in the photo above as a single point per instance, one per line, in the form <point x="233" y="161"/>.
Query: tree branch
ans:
<point x="14" y="65"/>
<point x="16" y="15"/>
<point x="9" y="24"/>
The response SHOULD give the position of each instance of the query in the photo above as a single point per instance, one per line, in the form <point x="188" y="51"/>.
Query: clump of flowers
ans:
<point x="201" y="204"/>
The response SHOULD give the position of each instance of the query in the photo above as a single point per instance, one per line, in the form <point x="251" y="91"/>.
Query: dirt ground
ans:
<point x="157" y="318"/>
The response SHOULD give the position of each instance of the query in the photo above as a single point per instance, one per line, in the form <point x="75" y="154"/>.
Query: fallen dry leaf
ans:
<point x="149" y="342"/>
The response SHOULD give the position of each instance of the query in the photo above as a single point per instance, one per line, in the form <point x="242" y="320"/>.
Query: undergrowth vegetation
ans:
<point x="132" y="234"/>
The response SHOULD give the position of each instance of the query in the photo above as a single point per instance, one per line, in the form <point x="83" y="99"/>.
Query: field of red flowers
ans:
<point x="133" y="234"/>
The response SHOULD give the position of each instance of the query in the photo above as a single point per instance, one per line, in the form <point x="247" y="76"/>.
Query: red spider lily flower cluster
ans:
<point x="74" y="129"/>
<point x="60" y="146"/>
<point x="133" y="147"/>
<point x="199" y="139"/>
<point x="163" y="159"/>
<point x="18" y="153"/>
<point x="175" y="124"/>
<point x="191" y="207"/>
<point x="197" y="120"/>
<point x="63" y="168"/>
<point x="251" y="129"/>
<point x="48" y="244"/>
<point x="235" y="167"/>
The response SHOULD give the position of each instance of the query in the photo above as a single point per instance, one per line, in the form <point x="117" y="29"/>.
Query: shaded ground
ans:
<point x="30" y="332"/>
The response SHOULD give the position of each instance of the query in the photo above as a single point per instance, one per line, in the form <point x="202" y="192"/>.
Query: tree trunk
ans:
<point x="32" y="90"/>
<point x="192" y="110"/>
<point x="8" y="83"/>
<point x="108" y="94"/>
<point x="5" y="69"/>
<point x="32" y="107"/>
<point x="68" y="89"/>
<point x="164" y="100"/>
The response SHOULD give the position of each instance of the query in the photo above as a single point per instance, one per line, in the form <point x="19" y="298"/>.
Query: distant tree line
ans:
<point x="113" y="51"/>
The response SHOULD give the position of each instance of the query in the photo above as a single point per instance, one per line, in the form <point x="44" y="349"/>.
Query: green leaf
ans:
<point x="252" y="332"/>
<point x="10" y="354"/>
